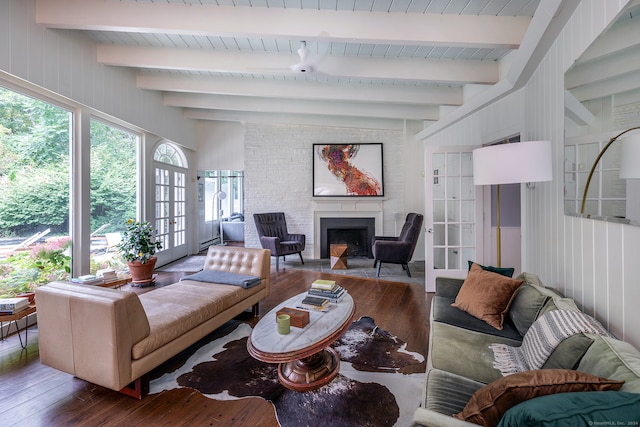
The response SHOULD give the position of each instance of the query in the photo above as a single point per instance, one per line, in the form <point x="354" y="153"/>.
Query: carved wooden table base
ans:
<point x="306" y="360"/>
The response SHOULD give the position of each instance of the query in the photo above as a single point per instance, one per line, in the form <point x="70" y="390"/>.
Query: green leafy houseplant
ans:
<point x="138" y="243"/>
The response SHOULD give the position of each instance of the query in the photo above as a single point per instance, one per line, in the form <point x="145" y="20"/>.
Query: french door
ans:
<point x="453" y="215"/>
<point x="170" y="211"/>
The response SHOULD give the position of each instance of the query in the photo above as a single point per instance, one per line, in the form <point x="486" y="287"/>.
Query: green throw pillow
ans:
<point x="500" y="270"/>
<point x="526" y="306"/>
<point x="569" y="353"/>
<point x="576" y="409"/>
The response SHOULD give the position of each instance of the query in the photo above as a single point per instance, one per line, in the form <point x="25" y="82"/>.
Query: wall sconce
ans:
<point x="630" y="160"/>
<point x="511" y="163"/>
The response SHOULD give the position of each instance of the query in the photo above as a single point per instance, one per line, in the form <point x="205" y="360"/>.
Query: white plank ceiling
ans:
<point x="380" y="59"/>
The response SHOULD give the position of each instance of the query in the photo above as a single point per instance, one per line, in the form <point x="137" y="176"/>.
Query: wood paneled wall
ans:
<point x="66" y="63"/>
<point x="593" y="262"/>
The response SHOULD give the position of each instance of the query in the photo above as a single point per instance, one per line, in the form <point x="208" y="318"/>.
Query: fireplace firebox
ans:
<point x="355" y="232"/>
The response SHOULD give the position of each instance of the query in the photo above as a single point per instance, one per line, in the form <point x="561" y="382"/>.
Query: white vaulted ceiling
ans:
<point x="372" y="59"/>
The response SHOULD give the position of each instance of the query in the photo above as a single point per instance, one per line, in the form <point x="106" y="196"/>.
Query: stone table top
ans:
<point x="268" y="345"/>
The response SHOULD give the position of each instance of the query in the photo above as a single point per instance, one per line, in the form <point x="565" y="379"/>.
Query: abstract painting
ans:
<point x="347" y="170"/>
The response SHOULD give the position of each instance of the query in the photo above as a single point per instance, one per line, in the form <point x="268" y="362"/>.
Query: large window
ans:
<point x="113" y="189"/>
<point x="34" y="201"/>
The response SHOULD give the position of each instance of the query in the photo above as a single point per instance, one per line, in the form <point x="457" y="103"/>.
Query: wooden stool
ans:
<point x="338" y="254"/>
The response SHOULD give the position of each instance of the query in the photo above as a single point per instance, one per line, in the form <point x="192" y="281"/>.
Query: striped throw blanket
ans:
<point x="541" y="339"/>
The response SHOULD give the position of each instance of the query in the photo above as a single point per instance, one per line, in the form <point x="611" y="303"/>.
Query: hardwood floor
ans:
<point x="37" y="395"/>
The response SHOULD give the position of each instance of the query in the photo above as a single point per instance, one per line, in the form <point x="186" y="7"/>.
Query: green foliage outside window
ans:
<point x="34" y="177"/>
<point x="34" y="172"/>
<point x="26" y="270"/>
<point x="113" y="176"/>
<point x="35" y="182"/>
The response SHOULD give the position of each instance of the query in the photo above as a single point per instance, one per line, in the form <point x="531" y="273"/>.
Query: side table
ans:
<point x="13" y="319"/>
<point x="338" y="254"/>
<point x="115" y="283"/>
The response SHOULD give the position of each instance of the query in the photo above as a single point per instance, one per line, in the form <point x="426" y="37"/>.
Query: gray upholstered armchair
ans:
<point x="397" y="250"/>
<point x="272" y="230"/>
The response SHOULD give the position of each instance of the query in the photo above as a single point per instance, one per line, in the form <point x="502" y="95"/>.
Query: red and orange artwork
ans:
<point x="357" y="182"/>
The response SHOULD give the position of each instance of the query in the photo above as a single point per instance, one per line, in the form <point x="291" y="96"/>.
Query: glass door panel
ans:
<point x="170" y="212"/>
<point x="452" y="218"/>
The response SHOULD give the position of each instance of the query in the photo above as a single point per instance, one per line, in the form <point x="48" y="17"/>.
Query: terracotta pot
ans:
<point x="142" y="273"/>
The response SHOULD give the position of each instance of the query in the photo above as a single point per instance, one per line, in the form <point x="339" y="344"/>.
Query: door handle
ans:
<point x="429" y="230"/>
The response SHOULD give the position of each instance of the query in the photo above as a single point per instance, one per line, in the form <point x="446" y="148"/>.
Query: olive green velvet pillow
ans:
<point x="569" y="353"/>
<point x="529" y="302"/>
<point x="486" y="295"/>
<point x="526" y="307"/>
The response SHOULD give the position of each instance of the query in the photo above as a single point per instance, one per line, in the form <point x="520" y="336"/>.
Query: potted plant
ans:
<point x="137" y="248"/>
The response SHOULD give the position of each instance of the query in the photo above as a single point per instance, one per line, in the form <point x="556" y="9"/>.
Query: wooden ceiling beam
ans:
<point x="480" y="31"/>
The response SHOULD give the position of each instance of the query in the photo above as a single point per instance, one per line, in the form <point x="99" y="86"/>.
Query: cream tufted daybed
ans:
<point x="113" y="338"/>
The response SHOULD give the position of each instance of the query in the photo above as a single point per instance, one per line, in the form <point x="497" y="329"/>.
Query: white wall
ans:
<point x="590" y="261"/>
<point x="220" y="145"/>
<point x="278" y="165"/>
<point x="66" y="63"/>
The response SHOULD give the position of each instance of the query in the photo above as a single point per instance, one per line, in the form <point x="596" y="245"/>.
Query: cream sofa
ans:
<point x="113" y="338"/>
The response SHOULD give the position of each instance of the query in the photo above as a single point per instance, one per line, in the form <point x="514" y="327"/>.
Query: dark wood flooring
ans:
<point x="36" y="395"/>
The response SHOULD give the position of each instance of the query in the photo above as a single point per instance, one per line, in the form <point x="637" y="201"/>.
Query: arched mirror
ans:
<point x="602" y="108"/>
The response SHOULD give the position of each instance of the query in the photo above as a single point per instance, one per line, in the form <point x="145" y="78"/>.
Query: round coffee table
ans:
<point x="306" y="360"/>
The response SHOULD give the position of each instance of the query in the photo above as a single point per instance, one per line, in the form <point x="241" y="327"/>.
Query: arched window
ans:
<point x="166" y="153"/>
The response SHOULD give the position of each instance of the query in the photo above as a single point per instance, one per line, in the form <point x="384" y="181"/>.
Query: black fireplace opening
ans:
<point x="355" y="232"/>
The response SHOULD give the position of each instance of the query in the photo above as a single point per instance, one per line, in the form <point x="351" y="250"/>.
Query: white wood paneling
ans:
<point x="5" y="34"/>
<point x="65" y="63"/>
<point x="590" y="261"/>
<point x="631" y="296"/>
<point x="617" y="304"/>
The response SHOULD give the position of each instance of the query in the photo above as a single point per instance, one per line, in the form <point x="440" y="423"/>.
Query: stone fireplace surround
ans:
<point x="344" y="209"/>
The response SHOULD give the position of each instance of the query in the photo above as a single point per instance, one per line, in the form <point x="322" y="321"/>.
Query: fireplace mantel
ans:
<point x="344" y="209"/>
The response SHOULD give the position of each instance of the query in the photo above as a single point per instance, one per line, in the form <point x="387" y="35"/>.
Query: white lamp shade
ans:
<point x="515" y="162"/>
<point x="630" y="157"/>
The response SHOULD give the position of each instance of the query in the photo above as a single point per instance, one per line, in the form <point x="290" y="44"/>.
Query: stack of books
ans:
<point x="314" y="303"/>
<point x="328" y="289"/>
<point x="13" y="305"/>
<point x="108" y="274"/>
<point x="88" y="279"/>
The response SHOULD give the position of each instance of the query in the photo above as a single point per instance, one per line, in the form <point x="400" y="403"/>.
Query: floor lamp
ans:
<point x="629" y="160"/>
<point x="220" y="195"/>
<point x="511" y="163"/>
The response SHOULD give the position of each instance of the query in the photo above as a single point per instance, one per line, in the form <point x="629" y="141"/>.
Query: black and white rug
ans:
<point x="369" y="391"/>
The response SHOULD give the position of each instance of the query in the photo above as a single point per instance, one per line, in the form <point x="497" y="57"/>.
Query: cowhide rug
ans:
<point x="369" y="391"/>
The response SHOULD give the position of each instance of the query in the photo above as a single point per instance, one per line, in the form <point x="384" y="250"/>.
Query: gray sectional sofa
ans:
<point x="460" y="361"/>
